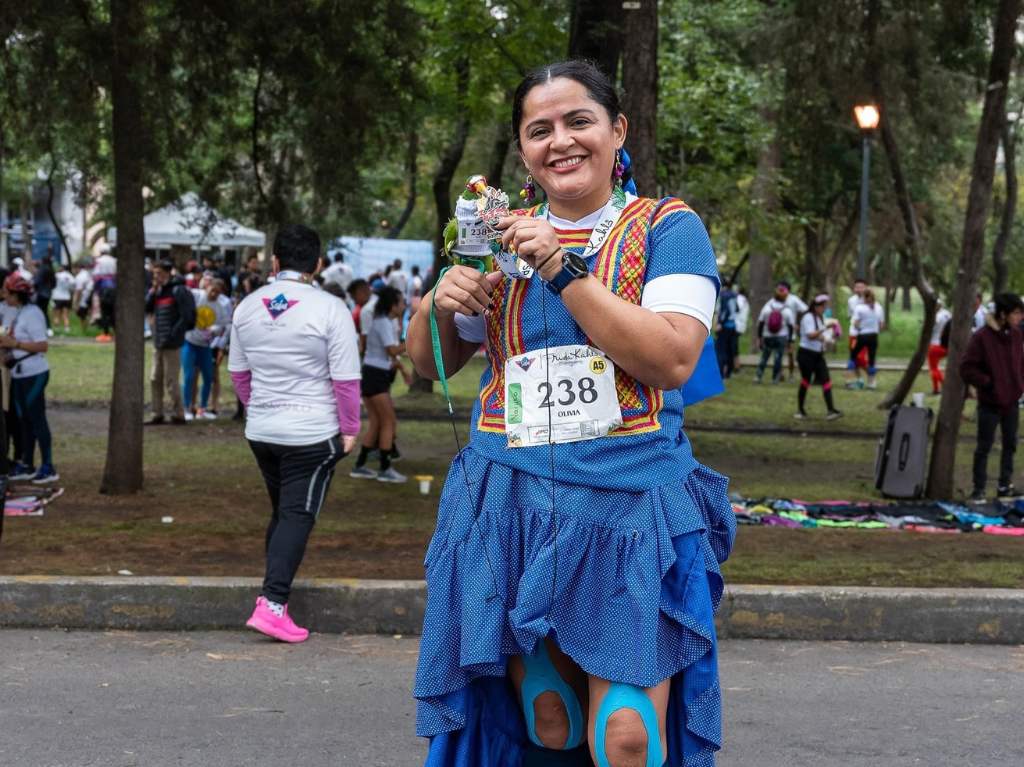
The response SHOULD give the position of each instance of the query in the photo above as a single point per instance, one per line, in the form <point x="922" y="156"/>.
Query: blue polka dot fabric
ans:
<point x="626" y="582"/>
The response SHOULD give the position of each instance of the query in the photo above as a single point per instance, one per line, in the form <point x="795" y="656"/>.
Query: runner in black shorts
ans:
<point x="380" y="363"/>
<point x="815" y="334"/>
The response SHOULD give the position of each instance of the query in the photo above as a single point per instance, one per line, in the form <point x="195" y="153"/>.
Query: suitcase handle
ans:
<point x="904" y="454"/>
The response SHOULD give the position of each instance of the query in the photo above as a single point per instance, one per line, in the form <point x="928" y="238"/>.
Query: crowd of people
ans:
<point x="990" y="366"/>
<point x="191" y="312"/>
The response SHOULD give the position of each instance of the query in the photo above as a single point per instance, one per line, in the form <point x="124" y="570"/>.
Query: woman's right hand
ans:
<point x="464" y="290"/>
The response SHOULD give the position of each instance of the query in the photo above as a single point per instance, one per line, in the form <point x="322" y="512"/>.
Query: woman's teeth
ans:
<point x="567" y="163"/>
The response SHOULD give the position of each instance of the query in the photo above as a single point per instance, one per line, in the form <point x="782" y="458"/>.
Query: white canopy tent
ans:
<point x="190" y="221"/>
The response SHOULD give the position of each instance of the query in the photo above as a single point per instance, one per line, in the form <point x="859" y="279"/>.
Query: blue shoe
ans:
<point x="21" y="471"/>
<point x="45" y="475"/>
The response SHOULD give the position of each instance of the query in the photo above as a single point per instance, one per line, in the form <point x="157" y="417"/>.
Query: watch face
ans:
<point x="575" y="264"/>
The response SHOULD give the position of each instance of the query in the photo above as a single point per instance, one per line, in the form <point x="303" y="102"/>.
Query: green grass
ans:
<point x="204" y="476"/>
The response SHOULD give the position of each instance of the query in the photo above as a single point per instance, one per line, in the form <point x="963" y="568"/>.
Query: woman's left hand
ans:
<point x="535" y="241"/>
<point x="8" y="342"/>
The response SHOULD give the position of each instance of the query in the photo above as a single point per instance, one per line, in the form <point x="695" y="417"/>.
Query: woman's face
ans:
<point x="399" y="308"/>
<point x="567" y="141"/>
<point x="11" y="299"/>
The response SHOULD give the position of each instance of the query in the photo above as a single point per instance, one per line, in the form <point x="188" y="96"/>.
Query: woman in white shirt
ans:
<point x="65" y="286"/>
<point x="26" y="345"/>
<point x="380" y="363"/>
<point x="868" y="319"/>
<point x="816" y="333"/>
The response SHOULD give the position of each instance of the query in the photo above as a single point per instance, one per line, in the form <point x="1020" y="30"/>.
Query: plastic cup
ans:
<point x="424" y="480"/>
<point x="918" y="399"/>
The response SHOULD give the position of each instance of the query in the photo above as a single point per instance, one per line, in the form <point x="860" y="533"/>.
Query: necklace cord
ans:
<point x="435" y="342"/>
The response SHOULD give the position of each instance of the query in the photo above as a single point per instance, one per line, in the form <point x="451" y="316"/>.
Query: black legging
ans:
<point x="297" y="479"/>
<point x="867" y="341"/>
<point x="29" y="395"/>
<point x="813" y="370"/>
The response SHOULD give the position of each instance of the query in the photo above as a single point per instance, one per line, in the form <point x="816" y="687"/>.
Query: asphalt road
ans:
<point x="85" y="699"/>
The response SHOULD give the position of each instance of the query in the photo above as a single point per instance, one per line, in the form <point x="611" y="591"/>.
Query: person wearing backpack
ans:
<point x="174" y="313"/>
<point x="725" y="340"/>
<point x="775" y="326"/>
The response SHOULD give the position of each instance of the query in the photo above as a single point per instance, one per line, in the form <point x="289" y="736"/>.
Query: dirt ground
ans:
<point x="204" y="477"/>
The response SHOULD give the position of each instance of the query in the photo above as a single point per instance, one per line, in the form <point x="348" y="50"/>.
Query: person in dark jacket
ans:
<point x="43" y="282"/>
<point x="174" y="313"/>
<point x="994" y="365"/>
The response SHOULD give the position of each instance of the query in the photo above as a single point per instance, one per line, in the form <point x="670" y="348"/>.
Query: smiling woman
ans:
<point x="573" y="576"/>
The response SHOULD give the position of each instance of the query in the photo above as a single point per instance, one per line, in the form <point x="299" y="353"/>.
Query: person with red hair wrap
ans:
<point x="26" y="345"/>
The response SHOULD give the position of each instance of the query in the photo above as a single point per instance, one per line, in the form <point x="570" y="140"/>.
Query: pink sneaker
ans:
<point x="283" y="628"/>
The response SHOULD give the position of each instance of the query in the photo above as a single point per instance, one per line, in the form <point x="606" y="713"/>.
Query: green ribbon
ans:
<point x="435" y="334"/>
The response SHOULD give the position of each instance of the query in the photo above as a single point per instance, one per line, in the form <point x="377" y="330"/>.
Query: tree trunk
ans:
<point x="411" y="170"/>
<point x="947" y="426"/>
<point x="766" y="198"/>
<point x="450" y="158"/>
<point x="50" y="192"/>
<point x="499" y="153"/>
<point x="123" y="470"/>
<point x="640" y="86"/>
<point x="912" y="232"/>
<point x="594" y="33"/>
<point x="1001" y="269"/>
<point x="4" y="223"/>
<point x="812" y="258"/>
<point x="906" y="280"/>
<point x="842" y="247"/>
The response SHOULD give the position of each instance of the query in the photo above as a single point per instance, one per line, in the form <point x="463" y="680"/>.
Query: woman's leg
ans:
<point x="872" y="344"/>
<point x="188" y="362"/>
<point x="548" y="684"/>
<point x="823" y="377"/>
<point x="387" y="422"/>
<point x="218" y="357"/>
<point x="371" y="435"/>
<point x="19" y="396"/>
<point x="627" y="723"/>
<point x="934" y="355"/>
<point x="806" y="363"/>
<point x="206" y="371"/>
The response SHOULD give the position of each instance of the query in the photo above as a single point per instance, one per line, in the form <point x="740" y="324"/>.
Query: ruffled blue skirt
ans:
<point x="628" y="589"/>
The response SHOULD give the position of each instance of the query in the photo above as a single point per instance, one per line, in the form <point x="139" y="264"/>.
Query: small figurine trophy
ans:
<point x="472" y="237"/>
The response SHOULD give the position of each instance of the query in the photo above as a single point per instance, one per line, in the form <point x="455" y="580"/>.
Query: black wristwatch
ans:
<point x="573" y="268"/>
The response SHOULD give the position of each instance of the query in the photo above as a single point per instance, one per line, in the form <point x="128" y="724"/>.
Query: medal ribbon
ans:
<point x="606" y="221"/>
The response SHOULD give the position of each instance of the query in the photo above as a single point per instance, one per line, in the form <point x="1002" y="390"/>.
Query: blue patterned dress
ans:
<point x="629" y="584"/>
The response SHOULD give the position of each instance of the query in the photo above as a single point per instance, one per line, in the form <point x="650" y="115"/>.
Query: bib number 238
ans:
<point x="567" y="396"/>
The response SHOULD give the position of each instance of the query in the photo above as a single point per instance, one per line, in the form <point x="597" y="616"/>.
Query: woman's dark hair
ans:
<point x="387" y="298"/>
<point x="1006" y="303"/>
<point x="598" y="86"/>
<point x="868" y="297"/>
<point x="297" y="247"/>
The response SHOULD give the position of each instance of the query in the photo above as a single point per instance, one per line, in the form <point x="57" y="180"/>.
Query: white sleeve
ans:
<point x="471" y="329"/>
<point x="691" y="294"/>
<point x="237" y="361"/>
<point x="807" y="324"/>
<point x="342" y="345"/>
<point x="390" y="335"/>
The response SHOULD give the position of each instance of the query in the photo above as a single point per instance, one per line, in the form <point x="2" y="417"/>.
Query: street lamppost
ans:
<point x="867" y="118"/>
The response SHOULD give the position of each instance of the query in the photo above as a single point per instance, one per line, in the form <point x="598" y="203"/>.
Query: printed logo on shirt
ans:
<point x="278" y="305"/>
<point x="525" y="362"/>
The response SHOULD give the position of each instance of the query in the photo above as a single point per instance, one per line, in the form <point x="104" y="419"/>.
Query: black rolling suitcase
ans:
<point x="902" y="459"/>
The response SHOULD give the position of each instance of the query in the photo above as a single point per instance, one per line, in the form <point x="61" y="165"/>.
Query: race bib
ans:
<point x="567" y="396"/>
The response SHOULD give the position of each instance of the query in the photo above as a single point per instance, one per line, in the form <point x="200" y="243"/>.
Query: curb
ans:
<point x="352" y="605"/>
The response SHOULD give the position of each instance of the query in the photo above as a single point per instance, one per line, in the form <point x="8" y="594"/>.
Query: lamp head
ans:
<point x="867" y="116"/>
